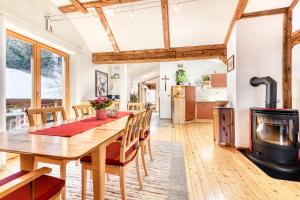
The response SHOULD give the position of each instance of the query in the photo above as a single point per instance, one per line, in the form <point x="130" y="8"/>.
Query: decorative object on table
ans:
<point x="181" y="77"/>
<point x="100" y="104"/>
<point x="101" y="84"/>
<point x="112" y="113"/>
<point x="165" y="79"/>
<point x="230" y="64"/>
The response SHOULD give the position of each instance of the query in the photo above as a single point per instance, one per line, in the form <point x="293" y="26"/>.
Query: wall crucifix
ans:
<point x="165" y="79"/>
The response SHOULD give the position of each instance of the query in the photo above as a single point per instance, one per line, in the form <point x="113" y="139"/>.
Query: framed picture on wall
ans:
<point x="230" y="64"/>
<point x="101" y="84"/>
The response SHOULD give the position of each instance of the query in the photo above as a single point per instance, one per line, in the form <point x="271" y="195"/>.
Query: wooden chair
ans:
<point x="82" y="110"/>
<point x="43" y="113"/>
<point x="145" y="137"/>
<point x="32" y="112"/>
<point x="135" y="106"/>
<point x="120" y="153"/>
<point x="31" y="185"/>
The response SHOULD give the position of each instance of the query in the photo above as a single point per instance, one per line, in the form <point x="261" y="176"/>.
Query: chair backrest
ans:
<point x="82" y="110"/>
<point x="147" y="121"/>
<point x="135" y="106"/>
<point x="31" y="112"/>
<point x="131" y="133"/>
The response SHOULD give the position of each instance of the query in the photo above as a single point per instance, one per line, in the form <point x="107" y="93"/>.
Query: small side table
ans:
<point x="223" y="121"/>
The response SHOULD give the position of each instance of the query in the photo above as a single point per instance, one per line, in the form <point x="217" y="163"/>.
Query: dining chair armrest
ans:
<point x="21" y="181"/>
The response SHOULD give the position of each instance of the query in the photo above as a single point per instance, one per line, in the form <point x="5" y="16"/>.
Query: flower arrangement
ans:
<point x="101" y="103"/>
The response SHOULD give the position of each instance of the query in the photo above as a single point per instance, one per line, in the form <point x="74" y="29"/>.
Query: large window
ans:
<point x="37" y="76"/>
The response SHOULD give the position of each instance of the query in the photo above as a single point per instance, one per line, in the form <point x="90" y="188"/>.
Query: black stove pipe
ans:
<point x="271" y="89"/>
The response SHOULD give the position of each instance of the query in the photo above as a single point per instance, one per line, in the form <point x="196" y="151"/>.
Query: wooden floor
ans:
<point x="215" y="172"/>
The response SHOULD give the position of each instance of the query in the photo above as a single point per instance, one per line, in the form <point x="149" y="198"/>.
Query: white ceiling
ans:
<point x="139" y="26"/>
<point x="259" y="5"/>
<point x="200" y="22"/>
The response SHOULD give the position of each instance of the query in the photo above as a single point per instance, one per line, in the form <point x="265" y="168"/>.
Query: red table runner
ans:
<point x="74" y="128"/>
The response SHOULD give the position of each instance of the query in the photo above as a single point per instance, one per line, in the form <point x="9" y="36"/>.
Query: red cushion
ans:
<point x="45" y="187"/>
<point x="145" y="136"/>
<point x="113" y="155"/>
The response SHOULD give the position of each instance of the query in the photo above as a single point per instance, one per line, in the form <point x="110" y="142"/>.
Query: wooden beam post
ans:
<point x="165" y="20"/>
<point x="237" y="15"/>
<point x="265" y="13"/>
<point x="159" y="55"/>
<point x="287" y="60"/>
<point x="107" y="28"/>
<point x="78" y="5"/>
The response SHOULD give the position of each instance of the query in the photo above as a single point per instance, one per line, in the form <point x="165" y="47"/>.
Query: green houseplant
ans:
<point x="181" y="77"/>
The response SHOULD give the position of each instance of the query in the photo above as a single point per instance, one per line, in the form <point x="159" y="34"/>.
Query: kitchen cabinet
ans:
<point x="218" y="80"/>
<point x="205" y="109"/>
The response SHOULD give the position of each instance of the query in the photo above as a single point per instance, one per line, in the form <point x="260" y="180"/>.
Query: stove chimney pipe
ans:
<point x="271" y="89"/>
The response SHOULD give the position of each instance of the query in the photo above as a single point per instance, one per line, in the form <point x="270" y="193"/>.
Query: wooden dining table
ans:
<point x="93" y="141"/>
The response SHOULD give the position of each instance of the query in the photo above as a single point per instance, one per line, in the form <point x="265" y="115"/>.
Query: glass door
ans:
<point x="53" y="71"/>
<point x="19" y="80"/>
<point x="37" y="76"/>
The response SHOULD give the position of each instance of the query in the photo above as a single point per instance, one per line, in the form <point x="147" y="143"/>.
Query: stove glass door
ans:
<point x="275" y="131"/>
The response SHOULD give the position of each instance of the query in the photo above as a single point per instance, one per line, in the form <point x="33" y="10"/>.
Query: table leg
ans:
<point x="98" y="166"/>
<point x="27" y="162"/>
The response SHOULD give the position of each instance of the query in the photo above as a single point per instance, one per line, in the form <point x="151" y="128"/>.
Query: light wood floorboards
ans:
<point x="216" y="172"/>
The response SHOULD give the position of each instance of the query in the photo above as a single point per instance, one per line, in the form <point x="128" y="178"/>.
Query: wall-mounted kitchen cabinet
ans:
<point x="218" y="80"/>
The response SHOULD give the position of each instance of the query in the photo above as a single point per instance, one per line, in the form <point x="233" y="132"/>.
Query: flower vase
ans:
<point x="100" y="114"/>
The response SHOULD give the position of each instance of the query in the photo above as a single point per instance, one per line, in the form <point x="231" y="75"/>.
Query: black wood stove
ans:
<point x="274" y="132"/>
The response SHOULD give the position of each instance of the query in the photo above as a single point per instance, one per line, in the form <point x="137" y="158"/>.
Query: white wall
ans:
<point x="2" y="83"/>
<point x="194" y="69"/>
<point x="231" y="76"/>
<point x="259" y="53"/>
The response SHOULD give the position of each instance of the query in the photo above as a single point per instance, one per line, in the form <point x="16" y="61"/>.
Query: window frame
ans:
<point x="36" y="70"/>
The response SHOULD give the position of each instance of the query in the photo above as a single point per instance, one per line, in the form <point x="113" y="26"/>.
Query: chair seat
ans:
<point x="45" y="187"/>
<point x="113" y="155"/>
<point x="145" y="136"/>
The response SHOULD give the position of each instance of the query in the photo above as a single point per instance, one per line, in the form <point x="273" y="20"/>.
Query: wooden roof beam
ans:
<point x="107" y="29"/>
<point x="93" y="4"/>
<point x="293" y="4"/>
<point x="165" y="20"/>
<point x="78" y="5"/>
<point x="266" y="12"/>
<point x="237" y="15"/>
<point x="158" y="55"/>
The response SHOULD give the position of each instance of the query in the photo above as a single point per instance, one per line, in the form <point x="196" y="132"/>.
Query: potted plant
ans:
<point x="100" y="104"/>
<point x="180" y="77"/>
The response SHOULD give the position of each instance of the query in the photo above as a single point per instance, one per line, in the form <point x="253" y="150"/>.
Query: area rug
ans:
<point x="166" y="177"/>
